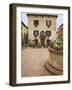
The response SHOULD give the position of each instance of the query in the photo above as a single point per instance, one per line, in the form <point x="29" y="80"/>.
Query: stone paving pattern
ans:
<point x="33" y="62"/>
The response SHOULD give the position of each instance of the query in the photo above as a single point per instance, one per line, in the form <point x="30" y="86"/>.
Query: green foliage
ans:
<point x="58" y="43"/>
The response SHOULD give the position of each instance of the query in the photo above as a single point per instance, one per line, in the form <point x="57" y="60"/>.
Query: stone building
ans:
<point x="24" y="34"/>
<point x="41" y="24"/>
<point x="60" y="31"/>
<point x="46" y="23"/>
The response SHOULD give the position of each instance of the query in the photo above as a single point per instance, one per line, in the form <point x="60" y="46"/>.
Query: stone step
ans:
<point x="54" y="71"/>
<point x="56" y="65"/>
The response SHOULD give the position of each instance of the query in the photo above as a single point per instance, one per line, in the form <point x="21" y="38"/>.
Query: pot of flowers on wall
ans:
<point x="55" y="61"/>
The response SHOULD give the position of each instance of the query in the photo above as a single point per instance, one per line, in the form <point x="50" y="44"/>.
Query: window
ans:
<point x="48" y="23"/>
<point x="36" y="23"/>
<point x="35" y="33"/>
<point x="48" y="33"/>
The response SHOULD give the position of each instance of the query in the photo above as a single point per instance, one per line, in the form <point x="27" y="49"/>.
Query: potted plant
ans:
<point x="55" y="61"/>
<point x="57" y="46"/>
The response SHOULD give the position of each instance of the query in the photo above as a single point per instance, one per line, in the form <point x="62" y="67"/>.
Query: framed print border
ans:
<point x="13" y="46"/>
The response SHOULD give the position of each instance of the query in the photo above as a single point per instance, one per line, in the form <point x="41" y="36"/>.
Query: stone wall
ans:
<point x="24" y="30"/>
<point x="42" y="26"/>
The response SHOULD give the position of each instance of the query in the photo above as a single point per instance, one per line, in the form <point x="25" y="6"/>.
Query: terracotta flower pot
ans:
<point x="55" y="61"/>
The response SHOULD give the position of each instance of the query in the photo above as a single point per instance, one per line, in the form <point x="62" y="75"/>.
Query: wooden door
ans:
<point x="42" y="38"/>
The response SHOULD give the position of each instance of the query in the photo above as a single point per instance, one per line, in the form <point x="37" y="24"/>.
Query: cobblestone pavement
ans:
<point x="33" y="62"/>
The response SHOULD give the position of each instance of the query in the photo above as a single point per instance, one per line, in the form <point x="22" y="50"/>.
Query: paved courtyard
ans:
<point x="33" y="62"/>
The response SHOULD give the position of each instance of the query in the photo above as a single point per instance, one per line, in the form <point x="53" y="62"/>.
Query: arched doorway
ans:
<point x="42" y="38"/>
